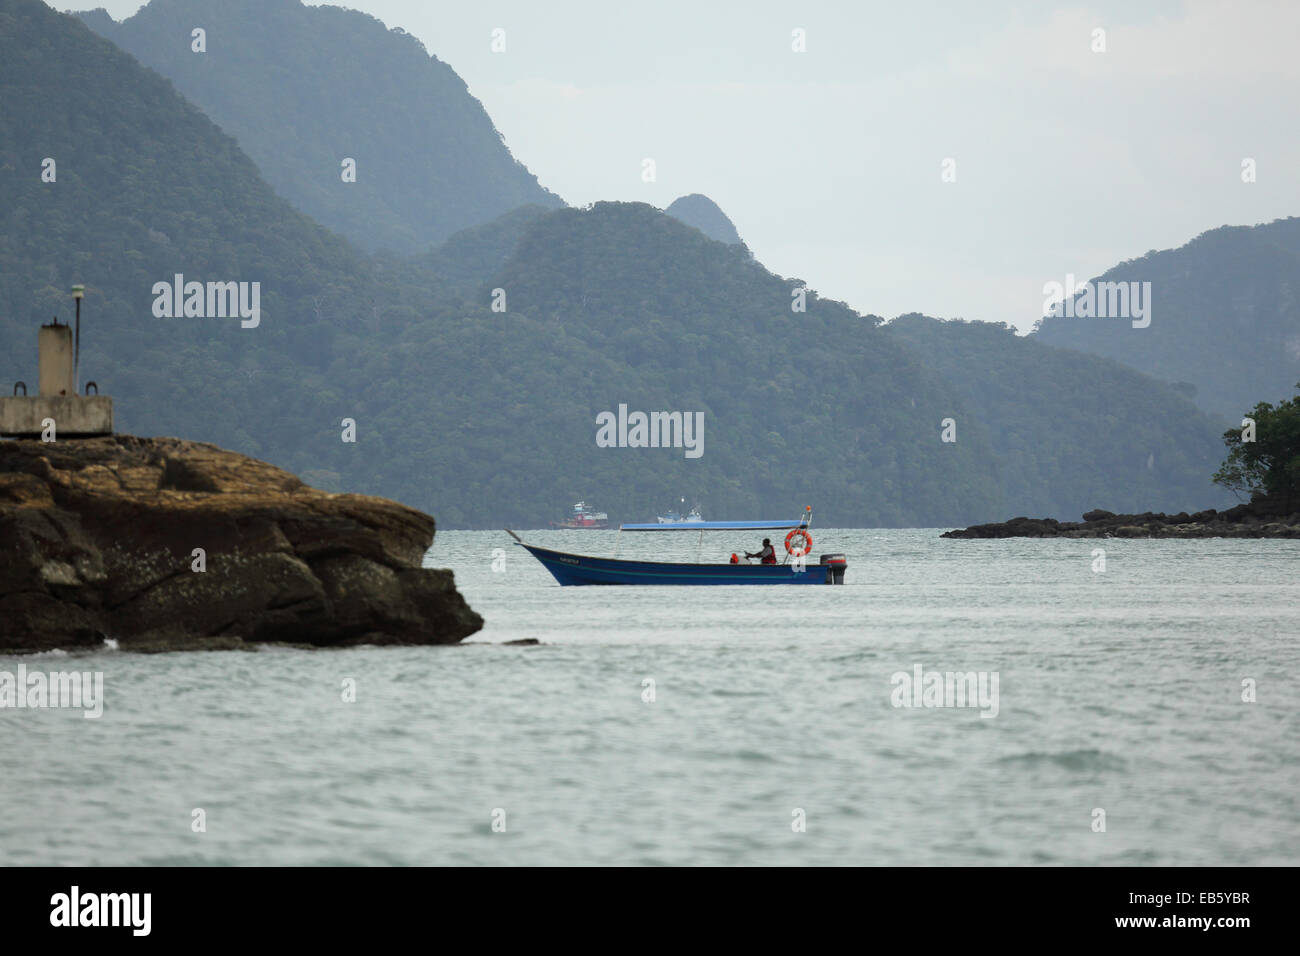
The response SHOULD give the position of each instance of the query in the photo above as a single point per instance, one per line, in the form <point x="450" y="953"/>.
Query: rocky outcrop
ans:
<point x="705" y="215"/>
<point x="164" y="544"/>
<point x="1261" y="518"/>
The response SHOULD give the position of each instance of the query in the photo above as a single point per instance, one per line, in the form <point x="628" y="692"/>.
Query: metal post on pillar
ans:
<point x="78" y="291"/>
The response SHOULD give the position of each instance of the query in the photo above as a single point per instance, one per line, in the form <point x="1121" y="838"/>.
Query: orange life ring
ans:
<point x="807" y="541"/>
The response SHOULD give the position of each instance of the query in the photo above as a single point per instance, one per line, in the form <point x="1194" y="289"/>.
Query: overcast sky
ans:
<point x="829" y="161"/>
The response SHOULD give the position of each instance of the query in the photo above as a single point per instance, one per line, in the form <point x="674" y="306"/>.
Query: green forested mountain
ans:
<point x="1070" y="432"/>
<point x="489" y="417"/>
<point x="304" y="88"/>
<point x="1225" y="317"/>
<point x="144" y="187"/>
<point x="472" y="256"/>
<point x="703" y="213"/>
<point x="623" y="304"/>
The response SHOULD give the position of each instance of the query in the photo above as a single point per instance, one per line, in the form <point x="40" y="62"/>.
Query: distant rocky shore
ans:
<point x="164" y="544"/>
<point x="1261" y="518"/>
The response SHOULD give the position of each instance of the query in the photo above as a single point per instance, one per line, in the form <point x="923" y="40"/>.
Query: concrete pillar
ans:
<point x="55" y="356"/>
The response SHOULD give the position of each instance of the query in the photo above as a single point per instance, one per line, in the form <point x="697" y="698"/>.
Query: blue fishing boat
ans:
<point x="572" y="569"/>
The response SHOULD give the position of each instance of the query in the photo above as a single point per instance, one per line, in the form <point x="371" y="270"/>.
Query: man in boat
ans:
<point x="767" y="555"/>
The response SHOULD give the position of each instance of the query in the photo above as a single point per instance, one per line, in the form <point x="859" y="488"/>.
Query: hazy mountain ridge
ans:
<point x="1071" y="432"/>
<point x="621" y="304"/>
<point x="469" y="258"/>
<point x="705" y="215"/>
<point x="481" y="417"/>
<point x="304" y="88"/>
<point x="475" y="415"/>
<point x="1225" y="317"/>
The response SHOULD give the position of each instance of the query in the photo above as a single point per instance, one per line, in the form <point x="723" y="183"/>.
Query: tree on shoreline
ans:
<point x="1264" y="461"/>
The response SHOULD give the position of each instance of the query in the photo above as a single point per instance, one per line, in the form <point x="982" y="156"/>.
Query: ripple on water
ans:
<point x="1122" y="694"/>
<point x="1078" y="761"/>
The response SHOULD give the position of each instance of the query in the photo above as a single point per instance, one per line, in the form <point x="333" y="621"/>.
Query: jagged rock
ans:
<point x="703" y="213"/>
<point x="99" y="538"/>
<point x="1261" y="518"/>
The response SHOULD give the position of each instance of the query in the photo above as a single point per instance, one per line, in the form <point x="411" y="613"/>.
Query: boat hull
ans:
<point x="573" y="569"/>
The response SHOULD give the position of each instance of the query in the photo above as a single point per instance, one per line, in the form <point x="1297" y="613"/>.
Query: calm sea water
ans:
<point x="1118" y="691"/>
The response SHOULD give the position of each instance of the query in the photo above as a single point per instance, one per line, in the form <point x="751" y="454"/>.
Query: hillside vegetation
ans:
<point x="1225" y="316"/>
<point x="304" y="88"/>
<point x="1070" y="432"/>
<point x="488" y="417"/>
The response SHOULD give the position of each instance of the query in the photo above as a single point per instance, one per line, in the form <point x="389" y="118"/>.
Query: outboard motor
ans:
<point x="835" y="565"/>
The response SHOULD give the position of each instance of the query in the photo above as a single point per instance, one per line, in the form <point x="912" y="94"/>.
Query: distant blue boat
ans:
<point x="572" y="569"/>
